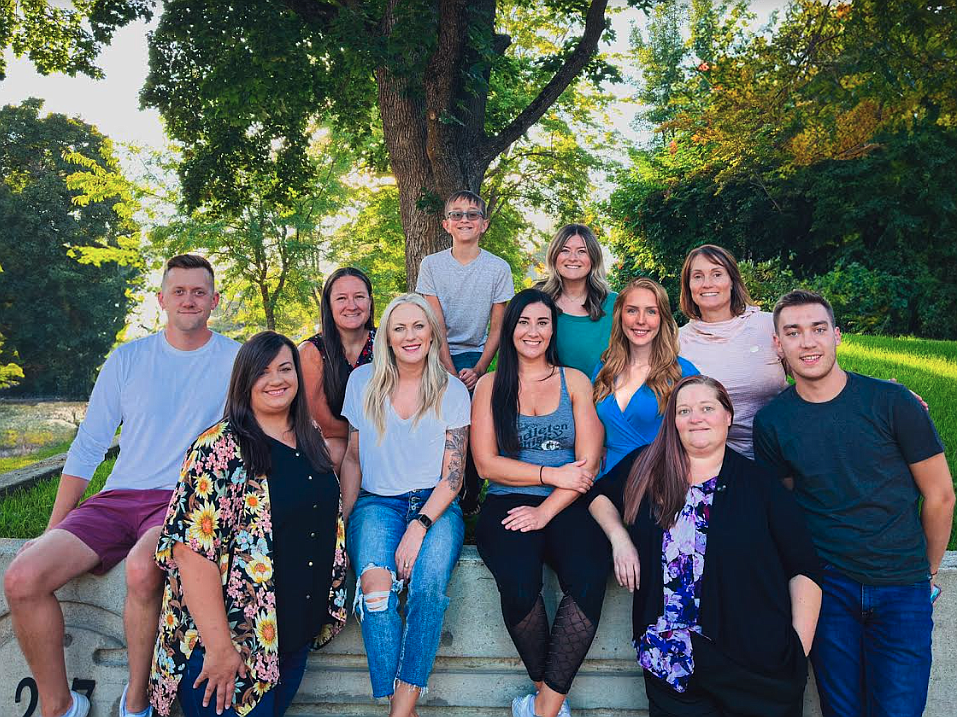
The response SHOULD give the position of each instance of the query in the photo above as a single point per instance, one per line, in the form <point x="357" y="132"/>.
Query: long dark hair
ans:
<point x="253" y="358"/>
<point x="661" y="470"/>
<point x="335" y="369"/>
<point x="505" y="384"/>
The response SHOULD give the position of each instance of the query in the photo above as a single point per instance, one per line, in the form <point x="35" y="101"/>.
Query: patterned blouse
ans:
<point x="665" y="648"/>
<point x="223" y="514"/>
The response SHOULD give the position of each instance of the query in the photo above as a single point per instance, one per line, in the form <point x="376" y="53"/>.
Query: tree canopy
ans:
<point x="820" y="151"/>
<point x="70" y="266"/>
<point x="240" y="85"/>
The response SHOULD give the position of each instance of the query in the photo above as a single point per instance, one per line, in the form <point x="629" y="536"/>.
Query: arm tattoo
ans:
<point x="456" y="444"/>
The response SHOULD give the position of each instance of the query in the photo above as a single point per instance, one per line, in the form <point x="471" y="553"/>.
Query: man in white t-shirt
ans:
<point x="164" y="389"/>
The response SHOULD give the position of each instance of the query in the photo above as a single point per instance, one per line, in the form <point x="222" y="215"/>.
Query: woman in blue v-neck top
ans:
<point x="642" y="356"/>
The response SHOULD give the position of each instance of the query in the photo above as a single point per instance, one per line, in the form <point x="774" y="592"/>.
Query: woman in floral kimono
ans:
<point x="253" y="548"/>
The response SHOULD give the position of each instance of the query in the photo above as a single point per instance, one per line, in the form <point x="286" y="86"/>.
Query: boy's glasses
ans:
<point x="470" y="215"/>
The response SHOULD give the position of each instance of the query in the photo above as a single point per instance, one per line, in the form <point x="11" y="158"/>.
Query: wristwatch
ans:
<point x="425" y="520"/>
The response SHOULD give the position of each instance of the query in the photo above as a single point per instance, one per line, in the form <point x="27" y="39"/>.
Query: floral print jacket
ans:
<point x="222" y="513"/>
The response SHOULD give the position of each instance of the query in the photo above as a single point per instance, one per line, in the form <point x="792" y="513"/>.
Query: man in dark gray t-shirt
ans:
<point x="860" y="454"/>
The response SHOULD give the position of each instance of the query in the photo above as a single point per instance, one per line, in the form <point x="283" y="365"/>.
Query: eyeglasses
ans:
<point x="471" y="215"/>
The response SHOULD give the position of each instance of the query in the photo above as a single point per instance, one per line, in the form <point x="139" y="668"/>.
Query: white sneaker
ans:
<point x="80" y="706"/>
<point x="148" y="712"/>
<point x="564" y="710"/>
<point x="524" y="706"/>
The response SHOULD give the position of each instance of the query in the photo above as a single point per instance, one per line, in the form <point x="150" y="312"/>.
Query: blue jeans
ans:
<point x="871" y="652"/>
<point x="375" y="528"/>
<point x="274" y="703"/>
<point x="467" y="359"/>
<point x="472" y="488"/>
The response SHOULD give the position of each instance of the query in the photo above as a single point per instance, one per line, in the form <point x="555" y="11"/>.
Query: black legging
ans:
<point x="575" y="547"/>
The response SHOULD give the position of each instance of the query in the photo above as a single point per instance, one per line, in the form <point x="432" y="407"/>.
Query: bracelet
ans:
<point x="934" y="574"/>
<point x="541" y="471"/>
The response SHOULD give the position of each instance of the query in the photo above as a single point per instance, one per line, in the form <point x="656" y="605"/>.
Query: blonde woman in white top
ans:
<point x="408" y="438"/>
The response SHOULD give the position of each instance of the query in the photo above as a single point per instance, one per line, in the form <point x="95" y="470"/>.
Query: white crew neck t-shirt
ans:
<point x="409" y="456"/>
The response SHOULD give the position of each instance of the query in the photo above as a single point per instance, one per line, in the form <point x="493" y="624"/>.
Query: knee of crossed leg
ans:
<point x="21" y="582"/>
<point x="144" y="579"/>
<point x="376" y="584"/>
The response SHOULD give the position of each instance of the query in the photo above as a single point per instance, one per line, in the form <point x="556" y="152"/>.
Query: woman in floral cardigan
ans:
<point x="253" y="548"/>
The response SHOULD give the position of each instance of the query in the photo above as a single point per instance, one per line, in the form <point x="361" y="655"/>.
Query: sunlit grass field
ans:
<point x="929" y="368"/>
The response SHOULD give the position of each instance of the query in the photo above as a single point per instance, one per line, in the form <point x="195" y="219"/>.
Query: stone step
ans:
<point x="476" y="673"/>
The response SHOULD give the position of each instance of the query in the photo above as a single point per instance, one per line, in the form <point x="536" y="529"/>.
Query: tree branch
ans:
<point x="574" y="64"/>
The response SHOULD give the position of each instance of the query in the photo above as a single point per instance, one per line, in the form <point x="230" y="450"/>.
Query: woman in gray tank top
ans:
<point x="538" y="441"/>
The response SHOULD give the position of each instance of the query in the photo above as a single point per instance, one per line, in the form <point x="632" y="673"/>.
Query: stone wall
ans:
<point x="476" y="672"/>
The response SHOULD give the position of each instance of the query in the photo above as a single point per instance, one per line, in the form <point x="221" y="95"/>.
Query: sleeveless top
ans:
<point x="547" y="440"/>
<point x="365" y="356"/>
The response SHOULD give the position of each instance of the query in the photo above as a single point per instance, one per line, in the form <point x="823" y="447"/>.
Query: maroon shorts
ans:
<point x="111" y="522"/>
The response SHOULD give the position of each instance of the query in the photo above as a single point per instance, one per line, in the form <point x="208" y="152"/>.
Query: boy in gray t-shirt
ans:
<point x="467" y="288"/>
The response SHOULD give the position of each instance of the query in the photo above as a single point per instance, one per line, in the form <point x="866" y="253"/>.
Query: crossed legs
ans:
<point x="30" y="582"/>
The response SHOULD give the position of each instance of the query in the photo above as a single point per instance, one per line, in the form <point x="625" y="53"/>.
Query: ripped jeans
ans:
<point x="376" y="526"/>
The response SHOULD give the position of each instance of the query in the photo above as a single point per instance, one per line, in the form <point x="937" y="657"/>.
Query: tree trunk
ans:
<point x="404" y="131"/>
<point x="434" y="128"/>
<point x="267" y="307"/>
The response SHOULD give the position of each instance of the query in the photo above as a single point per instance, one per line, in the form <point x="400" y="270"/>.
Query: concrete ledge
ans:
<point x="476" y="674"/>
<point x="47" y="468"/>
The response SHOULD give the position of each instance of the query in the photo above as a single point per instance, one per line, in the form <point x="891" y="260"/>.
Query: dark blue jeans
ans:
<point x="469" y="499"/>
<point x="871" y="651"/>
<point x="292" y="666"/>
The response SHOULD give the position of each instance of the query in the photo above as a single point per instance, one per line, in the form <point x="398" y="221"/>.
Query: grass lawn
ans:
<point x="33" y="430"/>
<point x="11" y="463"/>
<point x="25" y="511"/>
<point x="929" y="368"/>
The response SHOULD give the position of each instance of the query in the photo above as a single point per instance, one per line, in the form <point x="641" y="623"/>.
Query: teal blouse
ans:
<point x="581" y="341"/>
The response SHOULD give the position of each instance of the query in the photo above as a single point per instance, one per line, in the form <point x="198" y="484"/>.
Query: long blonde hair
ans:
<point x="385" y="373"/>
<point x="597" y="285"/>
<point x="665" y="371"/>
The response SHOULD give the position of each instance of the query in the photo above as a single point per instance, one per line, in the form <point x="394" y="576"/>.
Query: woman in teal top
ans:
<point x="576" y="282"/>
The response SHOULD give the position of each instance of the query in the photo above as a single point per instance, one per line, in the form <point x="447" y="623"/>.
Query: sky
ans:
<point x="112" y="104"/>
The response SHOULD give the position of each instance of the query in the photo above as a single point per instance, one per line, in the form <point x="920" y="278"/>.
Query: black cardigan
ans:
<point x="757" y="542"/>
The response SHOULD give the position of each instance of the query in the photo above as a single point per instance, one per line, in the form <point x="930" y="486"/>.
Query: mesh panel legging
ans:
<point x="574" y="546"/>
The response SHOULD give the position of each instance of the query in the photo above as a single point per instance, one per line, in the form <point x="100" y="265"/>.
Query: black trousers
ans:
<point x="720" y="687"/>
<point x="572" y="544"/>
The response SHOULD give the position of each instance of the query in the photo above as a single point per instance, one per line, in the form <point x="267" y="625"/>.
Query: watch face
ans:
<point x="425" y="520"/>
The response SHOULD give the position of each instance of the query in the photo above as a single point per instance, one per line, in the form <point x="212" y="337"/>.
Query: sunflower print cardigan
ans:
<point x="222" y="513"/>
